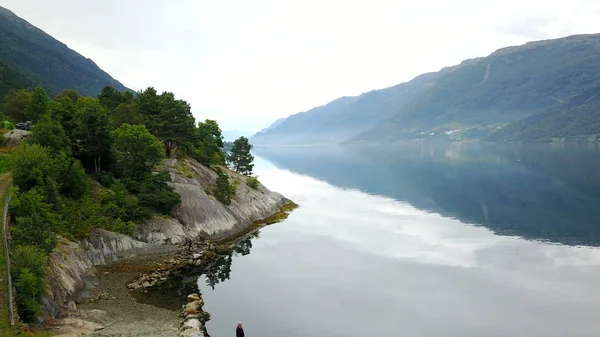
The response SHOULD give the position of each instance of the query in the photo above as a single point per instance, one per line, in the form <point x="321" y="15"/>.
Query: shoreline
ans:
<point x="130" y="298"/>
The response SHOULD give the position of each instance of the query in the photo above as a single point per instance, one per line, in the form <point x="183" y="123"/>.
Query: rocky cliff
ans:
<point x="71" y="274"/>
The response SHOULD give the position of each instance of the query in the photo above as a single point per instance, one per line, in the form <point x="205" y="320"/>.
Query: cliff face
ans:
<point x="71" y="272"/>
<point x="200" y="214"/>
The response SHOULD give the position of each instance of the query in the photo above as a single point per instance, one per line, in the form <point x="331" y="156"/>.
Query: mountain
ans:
<point x="43" y="61"/>
<point x="345" y="117"/>
<point x="272" y="126"/>
<point x="537" y="91"/>
<point x="10" y="79"/>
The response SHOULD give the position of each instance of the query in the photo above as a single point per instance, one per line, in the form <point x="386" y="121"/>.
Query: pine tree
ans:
<point x="240" y="158"/>
<point x="223" y="192"/>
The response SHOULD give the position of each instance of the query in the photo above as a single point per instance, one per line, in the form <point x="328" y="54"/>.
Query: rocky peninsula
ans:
<point x="93" y="283"/>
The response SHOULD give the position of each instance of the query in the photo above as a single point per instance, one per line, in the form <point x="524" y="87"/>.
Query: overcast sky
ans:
<point x="246" y="63"/>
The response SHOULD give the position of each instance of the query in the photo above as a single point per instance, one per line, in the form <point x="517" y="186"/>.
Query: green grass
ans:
<point x="6" y="161"/>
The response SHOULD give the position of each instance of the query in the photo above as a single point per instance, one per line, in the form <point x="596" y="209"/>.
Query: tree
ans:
<point x="240" y="157"/>
<point x="136" y="151"/>
<point x="35" y="223"/>
<point x="127" y="113"/>
<point x="93" y="133"/>
<point x="64" y="110"/>
<point x="174" y="124"/>
<point x="111" y="97"/>
<point x="15" y="104"/>
<point x="38" y="105"/>
<point x="223" y="191"/>
<point x="156" y="193"/>
<point x="31" y="166"/>
<point x="50" y="134"/>
<point x="67" y="93"/>
<point x="209" y="143"/>
<point x="30" y="289"/>
<point x="148" y="104"/>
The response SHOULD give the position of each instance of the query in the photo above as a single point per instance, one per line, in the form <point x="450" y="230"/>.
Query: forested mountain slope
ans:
<point x="44" y="61"/>
<point x="541" y="90"/>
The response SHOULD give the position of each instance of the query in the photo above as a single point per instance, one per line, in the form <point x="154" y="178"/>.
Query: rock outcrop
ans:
<point x="71" y="274"/>
<point x="200" y="214"/>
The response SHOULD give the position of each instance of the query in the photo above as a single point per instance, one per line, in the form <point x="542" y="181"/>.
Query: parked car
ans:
<point x="24" y="126"/>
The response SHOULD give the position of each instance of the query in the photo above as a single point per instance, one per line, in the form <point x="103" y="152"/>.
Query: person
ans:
<point x="239" y="332"/>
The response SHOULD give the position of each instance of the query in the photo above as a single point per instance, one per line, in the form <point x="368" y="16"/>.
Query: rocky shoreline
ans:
<point x="121" y="300"/>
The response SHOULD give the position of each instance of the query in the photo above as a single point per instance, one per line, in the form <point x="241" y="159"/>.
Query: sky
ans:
<point x="247" y="63"/>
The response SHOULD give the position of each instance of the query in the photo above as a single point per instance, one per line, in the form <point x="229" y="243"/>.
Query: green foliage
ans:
<point x="10" y="79"/>
<point x="208" y="143"/>
<point x="15" y="104"/>
<point x="6" y="162"/>
<point x="64" y="111"/>
<point x="38" y="105"/>
<point x="240" y="158"/>
<point x="30" y="289"/>
<point x="169" y="119"/>
<point x="156" y="194"/>
<point x="40" y="59"/>
<point x="32" y="166"/>
<point x="111" y="97"/>
<point x="35" y="223"/>
<point x="74" y="183"/>
<point x="223" y="191"/>
<point x="50" y="134"/>
<point x="235" y="186"/>
<point x="136" y="151"/>
<point x="71" y="94"/>
<point x="92" y="137"/>
<point x="30" y="257"/>
<point x="127" y="113"/>
<point x="118" y="203"/>
<point x="252" y="182"/>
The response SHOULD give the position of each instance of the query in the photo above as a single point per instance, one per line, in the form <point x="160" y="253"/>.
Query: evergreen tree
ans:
<point x="208" y="145"/>
<point x="223" y="191"/>
<point x="240" y="158"/>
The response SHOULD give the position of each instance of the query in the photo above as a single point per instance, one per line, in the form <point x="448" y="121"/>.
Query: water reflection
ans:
<point x="220" y="271"/>
<point x="540" y="191"/>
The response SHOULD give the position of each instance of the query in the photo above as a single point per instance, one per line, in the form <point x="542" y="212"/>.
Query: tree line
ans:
<point x="91" y="163"/>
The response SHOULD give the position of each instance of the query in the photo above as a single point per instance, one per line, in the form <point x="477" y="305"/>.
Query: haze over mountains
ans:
<point x="538" y="91"/>
<point x="29" y="57"/>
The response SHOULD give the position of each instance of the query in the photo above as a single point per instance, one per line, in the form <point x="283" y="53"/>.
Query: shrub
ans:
<point x="30" y="289"/>
<point x="223" y="192"/>
<point x="252" y="182"/>
<point x="235" y="186"/>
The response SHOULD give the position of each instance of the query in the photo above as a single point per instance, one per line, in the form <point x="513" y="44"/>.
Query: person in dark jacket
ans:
<point x="239" y="332"/>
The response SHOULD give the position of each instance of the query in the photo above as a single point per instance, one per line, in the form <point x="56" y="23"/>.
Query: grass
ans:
<point x="6" y="162"/>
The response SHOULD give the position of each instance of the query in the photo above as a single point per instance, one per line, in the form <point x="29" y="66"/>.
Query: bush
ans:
<point x="235" y="186"/>
<point x="223" y="192"/>
<point x="252" y="182"/>
<point x="30" y="289"/>
<point x="156" y="194"/>
<point x="30" y="257"/>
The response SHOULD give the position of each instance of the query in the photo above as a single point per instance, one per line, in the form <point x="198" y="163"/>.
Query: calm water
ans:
<point x="420" y="240"/>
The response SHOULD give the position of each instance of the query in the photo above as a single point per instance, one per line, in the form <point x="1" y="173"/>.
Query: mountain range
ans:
<point x="29" y="57"/>
<point x="539" y="91"/>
